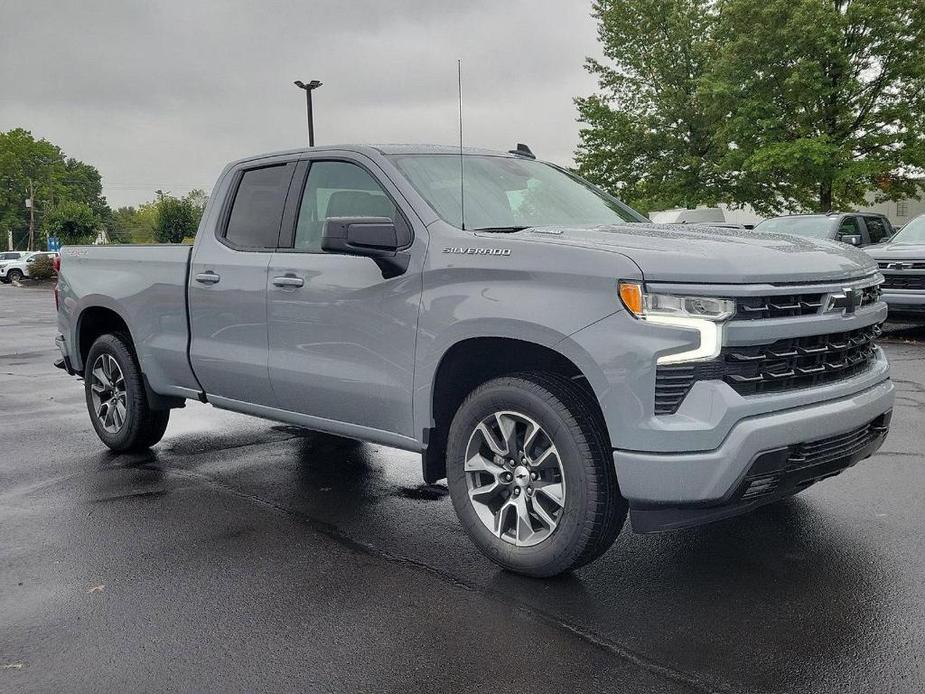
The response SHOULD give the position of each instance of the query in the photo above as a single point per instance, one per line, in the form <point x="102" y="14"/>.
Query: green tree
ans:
<point x="649" y="136"/>
<point x="39" y="169"/>
<point x="820" y="100"/>
<point x="72" y="222"/>
<point x="178" y="218"/>
<point x="132" y="224"/>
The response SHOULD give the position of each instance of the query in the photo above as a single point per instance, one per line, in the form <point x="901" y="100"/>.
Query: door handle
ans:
<point x="288" y="281"/>
<point x="208" y="277"/>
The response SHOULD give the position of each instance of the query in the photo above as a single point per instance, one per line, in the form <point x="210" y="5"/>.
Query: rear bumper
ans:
<point x="708" y="485"/>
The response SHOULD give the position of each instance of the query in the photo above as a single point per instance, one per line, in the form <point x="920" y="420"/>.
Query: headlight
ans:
<point x="701" y="313"/>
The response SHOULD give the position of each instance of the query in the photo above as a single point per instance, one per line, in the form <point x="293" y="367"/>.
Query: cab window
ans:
<point x="337" y="189"/>
<point x="257" y="209"/>
<point x="877" y="229"/>
<point x="849" y="227"/>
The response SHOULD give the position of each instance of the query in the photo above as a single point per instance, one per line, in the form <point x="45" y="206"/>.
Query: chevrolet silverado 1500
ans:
<point x="560" y="360"/>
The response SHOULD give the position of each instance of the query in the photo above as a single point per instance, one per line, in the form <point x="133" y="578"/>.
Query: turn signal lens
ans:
<point x="631" y="296"/>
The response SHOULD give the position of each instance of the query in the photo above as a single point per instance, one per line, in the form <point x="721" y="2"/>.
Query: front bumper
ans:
<point x="908" y="304"/>
<point x="670" y="490"/>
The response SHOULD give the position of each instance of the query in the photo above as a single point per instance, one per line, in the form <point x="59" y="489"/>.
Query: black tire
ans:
<point x="14" y="276"/>
<point x="594" y="510"/>
<point x="142" y="427"/>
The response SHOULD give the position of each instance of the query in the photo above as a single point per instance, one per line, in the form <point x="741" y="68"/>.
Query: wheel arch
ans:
<point x="471" y="361"/>
<point x="92" y="322"/>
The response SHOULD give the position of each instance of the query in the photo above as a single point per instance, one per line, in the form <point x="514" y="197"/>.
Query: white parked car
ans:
<point x="17" y="268"/>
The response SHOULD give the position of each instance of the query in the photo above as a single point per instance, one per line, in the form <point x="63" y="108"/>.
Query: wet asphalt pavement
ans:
<point x="241" y="555"/>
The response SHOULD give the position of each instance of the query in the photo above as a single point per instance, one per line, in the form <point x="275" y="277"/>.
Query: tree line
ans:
<point x="67" y="201"/>
<point x="801" y="105"/>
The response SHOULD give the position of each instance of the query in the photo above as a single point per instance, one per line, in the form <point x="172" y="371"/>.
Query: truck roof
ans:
<point x="382" y="149"/>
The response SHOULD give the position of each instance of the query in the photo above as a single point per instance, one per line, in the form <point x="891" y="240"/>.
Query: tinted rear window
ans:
<point x="258" y="207"/>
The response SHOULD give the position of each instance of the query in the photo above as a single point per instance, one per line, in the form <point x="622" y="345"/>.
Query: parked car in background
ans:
<point x="902" y="263"/>
<point x="680" y="215"/>
<point x="8" y="257"/>
<point x="17" y="269"/>
<point x="855" y="228"/>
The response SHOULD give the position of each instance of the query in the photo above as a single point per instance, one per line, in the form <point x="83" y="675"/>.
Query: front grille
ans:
<point x="903" y="282"/>
<point x="907" y="264"/>
<point x="792" y="305"/>
<point x="800" y="362"/>
<point x="806" y="463"/>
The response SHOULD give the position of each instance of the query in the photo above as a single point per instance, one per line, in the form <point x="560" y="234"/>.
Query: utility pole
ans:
<point x="30" y="203"/>
<point x="311" y="86"/>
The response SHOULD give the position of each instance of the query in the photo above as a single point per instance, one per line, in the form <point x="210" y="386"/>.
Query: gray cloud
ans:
<point x="164" y="94"/>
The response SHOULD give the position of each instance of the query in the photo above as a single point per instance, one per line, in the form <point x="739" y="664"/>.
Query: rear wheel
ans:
<point x="116" y="398"/>
<point x="531" y="475"/>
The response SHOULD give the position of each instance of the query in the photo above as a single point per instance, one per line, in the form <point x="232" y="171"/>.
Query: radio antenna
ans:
<point x="462" y="187"/>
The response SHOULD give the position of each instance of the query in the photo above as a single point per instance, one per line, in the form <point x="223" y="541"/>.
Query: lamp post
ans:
<point x="311" y="86"/>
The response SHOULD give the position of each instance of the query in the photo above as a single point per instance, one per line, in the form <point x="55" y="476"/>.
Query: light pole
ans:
<point x="314" y="84"/>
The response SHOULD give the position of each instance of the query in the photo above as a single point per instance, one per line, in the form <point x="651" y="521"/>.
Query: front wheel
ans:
<point x="531" y="475"/>
<point x="116" y="398"/>
<point x="14" y="276"/>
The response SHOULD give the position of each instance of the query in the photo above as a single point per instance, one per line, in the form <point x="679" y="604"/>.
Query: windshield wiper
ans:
<point x="501" y="230"/>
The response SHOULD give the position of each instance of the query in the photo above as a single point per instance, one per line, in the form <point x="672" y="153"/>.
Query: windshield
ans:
<point x="501" y="192"/>
<point x="813" y="227"/>
<point x="913" y="232"/>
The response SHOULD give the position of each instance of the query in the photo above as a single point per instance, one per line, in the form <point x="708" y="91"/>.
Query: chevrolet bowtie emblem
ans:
<point x="849" y="300"/>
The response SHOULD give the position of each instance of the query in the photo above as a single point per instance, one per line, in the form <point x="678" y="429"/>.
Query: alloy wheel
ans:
<point x="107" y="391"/>
<point x="514" y="478"/>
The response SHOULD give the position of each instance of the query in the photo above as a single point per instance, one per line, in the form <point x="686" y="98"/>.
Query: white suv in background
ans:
<point x="15" y="269"/>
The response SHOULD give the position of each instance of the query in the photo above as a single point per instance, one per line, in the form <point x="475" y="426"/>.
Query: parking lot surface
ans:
<point x="244" y="555"/>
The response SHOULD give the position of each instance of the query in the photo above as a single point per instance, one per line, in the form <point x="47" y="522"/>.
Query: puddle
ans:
<point x="424" y="492"/>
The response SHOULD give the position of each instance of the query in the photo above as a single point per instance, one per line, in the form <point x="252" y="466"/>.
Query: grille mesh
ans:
<point x="904" y="282"/>
<point x="812" y="461"/>
<point x="792" y="305"/>
<point x="783" y="365"/>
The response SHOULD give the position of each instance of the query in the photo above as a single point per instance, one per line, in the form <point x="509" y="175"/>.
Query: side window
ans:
<point x="877" y="229"/>
<point x="849" y="227"/>
<point x="337" y="189"/>
<point x="257" y="208"/>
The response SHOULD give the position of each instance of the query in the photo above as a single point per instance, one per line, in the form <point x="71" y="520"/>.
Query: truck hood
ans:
<point x="709" y="255"/>
<point x="897" y="251"/>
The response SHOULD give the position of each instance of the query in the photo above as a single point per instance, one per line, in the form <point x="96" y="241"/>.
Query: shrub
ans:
<point x="41" y="268"/>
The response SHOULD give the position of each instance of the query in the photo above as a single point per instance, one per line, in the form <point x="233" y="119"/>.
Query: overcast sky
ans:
<point x="163" y="94"/>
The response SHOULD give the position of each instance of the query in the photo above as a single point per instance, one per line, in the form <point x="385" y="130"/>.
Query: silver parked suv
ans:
<point x="557" y="358"/>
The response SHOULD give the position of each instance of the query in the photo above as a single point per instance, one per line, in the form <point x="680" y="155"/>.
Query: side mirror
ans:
<point x="853" y="239"/>
<point x="370" y="237"/>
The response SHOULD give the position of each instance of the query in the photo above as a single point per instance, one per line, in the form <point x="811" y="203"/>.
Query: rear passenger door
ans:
<point x="228" y="285"/>
<point x="342" y="335"/>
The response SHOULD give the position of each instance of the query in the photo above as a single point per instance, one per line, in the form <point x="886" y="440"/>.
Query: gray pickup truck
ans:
<point x="902" y="263"/>
<point x="557" y="358"/>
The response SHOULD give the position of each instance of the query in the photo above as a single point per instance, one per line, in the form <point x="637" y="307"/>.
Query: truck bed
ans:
<point x="147" y="285"/>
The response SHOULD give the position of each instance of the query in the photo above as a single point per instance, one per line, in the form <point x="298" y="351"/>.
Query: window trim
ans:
<point x="286" y="243"/>
<point x="221" y="229"/>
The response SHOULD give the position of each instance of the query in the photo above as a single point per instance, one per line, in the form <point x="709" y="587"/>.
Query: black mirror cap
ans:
<point x="368" y="236"/>
<point x="378" y="238"/>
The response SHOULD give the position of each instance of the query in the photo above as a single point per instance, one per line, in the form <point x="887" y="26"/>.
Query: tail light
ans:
<point x="56" y="264"/>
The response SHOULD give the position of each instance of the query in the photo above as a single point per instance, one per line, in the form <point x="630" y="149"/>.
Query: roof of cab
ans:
<point x="386" y="149"/>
